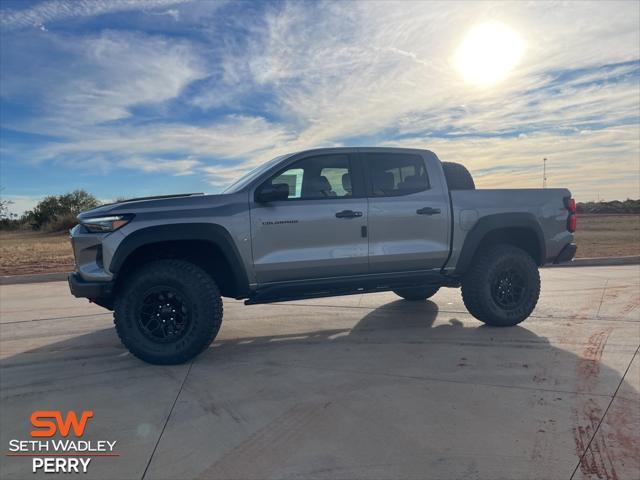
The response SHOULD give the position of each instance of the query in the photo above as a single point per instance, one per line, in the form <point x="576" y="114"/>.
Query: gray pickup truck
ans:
<point x="317" y="223"/>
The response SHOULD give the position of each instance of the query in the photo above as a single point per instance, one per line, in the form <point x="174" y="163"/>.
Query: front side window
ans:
<point x="324" y="176"/>
<point x="396" y="174"/>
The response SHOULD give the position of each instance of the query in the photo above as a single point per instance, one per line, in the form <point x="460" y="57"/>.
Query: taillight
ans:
<point x="572" y="219"/>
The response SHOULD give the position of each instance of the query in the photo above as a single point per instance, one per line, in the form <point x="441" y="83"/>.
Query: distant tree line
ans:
<point x="614" y="206"/>
<point x="53" y="213"/>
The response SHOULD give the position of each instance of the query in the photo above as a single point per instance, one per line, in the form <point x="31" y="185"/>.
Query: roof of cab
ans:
<point x="361" y="149"/>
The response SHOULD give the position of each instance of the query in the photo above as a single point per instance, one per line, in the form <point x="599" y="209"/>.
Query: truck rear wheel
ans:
<point x="502" y="286"/>
<point x="417" y="293"/>
<point x="168" y="311"/>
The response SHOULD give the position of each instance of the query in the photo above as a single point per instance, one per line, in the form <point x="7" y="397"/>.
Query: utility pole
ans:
<point x="544" y="172"/>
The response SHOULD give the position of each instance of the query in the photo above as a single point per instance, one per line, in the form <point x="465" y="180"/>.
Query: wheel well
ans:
<point x="521" y="237"/>
<point x="206" y="255"/>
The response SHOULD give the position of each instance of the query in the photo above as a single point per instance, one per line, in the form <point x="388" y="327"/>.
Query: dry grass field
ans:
<point x="603" y="235"/>
<point x="23" y="252"/>
<point x="32" y="252"/>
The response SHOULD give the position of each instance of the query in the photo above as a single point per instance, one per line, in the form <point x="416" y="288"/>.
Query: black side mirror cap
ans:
<point x="272" y="193"/>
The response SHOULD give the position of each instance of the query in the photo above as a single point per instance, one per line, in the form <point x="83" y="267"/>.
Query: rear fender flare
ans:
<point x="499" y="221"/>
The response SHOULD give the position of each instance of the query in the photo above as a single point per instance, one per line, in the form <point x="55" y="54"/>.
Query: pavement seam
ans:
<point x="595" y="432"/>
<point x="604" y="290"/>
<point x="12" y="322"/>
<point x="175" y="401"/>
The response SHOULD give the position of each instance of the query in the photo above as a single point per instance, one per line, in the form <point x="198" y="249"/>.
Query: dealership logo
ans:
<point x="46" y="427"/>
<point x="69" y="454"/>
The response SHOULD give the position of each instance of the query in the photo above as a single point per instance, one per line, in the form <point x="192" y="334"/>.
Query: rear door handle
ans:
<point x="428" y="211"/>
<point x="348" y="214"/>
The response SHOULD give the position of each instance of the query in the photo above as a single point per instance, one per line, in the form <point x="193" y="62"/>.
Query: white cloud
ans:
<point x="105" y="77"/>
<point x="120" y="71"/>
<point x="345" y="70"/>
<point x="235" y="137"/>
<point x="172" y="12"/>
<point x="179" y="167"/>
<point x="57" y="10"/>
<point x="604" y="162"/>
<point x="335" y="72"/>
<point x="364" y="67"/>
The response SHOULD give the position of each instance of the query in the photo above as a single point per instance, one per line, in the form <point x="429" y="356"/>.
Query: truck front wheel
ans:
<point x="502" y="286"/>
<point x="168" y="311"/>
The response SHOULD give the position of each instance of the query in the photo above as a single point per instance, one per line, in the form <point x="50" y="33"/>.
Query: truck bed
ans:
<point x="546" y="206"/>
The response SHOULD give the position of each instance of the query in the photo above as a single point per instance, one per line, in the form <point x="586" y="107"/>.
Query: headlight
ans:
<point x="106" y="224"/>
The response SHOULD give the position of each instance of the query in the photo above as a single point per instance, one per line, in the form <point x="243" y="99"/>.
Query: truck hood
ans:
<point x="171" y="204"/>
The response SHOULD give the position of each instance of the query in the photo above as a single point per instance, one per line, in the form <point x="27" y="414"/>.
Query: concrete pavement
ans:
<point x="365" y="386"/>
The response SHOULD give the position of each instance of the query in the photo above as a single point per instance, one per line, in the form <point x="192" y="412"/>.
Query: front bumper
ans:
<point x="92" y="251"/>
<point x="566" y="254"/>
<point x="93" y="290"/>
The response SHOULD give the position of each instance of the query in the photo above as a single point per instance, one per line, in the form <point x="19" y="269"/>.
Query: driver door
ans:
<point x="319" y="231"/>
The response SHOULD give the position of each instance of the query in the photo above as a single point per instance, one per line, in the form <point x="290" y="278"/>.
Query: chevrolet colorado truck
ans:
<point x="317" y="223"/>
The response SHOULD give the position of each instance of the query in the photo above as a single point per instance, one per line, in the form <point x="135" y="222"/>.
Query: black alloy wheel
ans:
<point x="164" y="315"/>
<point x="507" y="289"/>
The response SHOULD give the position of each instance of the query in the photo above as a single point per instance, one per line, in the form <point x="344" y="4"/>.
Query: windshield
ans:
<point x="256" y="172"/>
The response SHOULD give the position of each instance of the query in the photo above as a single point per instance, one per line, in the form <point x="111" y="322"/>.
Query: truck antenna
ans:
<point x="544" y="172"/>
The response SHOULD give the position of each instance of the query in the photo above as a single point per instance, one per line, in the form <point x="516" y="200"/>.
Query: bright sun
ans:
<point x="488" y="52"/>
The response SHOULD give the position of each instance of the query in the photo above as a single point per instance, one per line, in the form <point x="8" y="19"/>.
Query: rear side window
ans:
<point x="396" y="174"/>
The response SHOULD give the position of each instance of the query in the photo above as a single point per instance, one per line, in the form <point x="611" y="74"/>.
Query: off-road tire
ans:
<point x="199" y="292"/>
<point x="480" y="284"/>
<point x="457" y="176"/>
<point x="416" y="294"/>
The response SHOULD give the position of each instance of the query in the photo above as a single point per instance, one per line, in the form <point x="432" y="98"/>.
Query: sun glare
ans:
<point x="488" y="52"/>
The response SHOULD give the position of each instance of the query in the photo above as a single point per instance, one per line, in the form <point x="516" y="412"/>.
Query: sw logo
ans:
<point x="60" y="455"/>
<point x="42" y="419"/>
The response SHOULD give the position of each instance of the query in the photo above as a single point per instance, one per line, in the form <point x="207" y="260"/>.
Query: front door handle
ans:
<point x="428" y="211"/>
<point x="348" y="214"/>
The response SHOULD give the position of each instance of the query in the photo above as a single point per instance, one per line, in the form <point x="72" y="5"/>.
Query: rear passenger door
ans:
<point x="319" y="231"/>
<point x="408" y="212"/>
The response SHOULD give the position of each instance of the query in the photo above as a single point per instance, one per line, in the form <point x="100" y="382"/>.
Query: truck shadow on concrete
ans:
<point x="399" y="338"/>
<point x="452" y="351"/>
<point x="394" y="322"/>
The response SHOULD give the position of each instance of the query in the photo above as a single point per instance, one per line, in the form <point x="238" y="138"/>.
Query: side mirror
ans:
<point x="272" y="193"/>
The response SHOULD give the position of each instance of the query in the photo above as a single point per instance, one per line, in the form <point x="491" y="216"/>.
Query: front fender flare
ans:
<point x="209" y="232"/>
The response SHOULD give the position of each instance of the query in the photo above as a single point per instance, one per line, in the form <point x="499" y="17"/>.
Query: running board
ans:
<point x="287" y="291"/>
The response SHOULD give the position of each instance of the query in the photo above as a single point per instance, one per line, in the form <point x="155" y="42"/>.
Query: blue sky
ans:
<point x="134" y="98"/>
